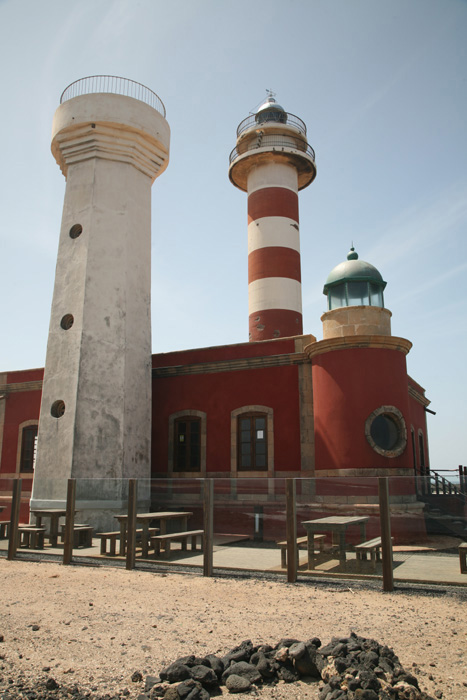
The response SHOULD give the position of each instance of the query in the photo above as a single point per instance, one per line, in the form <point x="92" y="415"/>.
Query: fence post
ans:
<point x="14" y="518"/>
<point x="291" y="529"/>
<point x="208" y="525"/>
<point x="69" y="521"/>
<point x="386" y="542"/>
<point x="131" y="524"/>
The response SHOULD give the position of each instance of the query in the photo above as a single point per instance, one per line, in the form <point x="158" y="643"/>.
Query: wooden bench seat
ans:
<point x="183" y="537"/>
<point x="302" y="543"/>
<point x="82" y="535"/>
<point x="463" y="557"/>
<point x="31" y="537"/>
<point x="111" y="538"/>
<point x="372" y="547"/>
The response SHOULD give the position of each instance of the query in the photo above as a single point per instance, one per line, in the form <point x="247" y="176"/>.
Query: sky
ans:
<point x="382" y="88"/>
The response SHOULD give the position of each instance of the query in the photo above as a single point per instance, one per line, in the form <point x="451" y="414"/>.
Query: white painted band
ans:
<point x="272" y="175"/>
<point x="271" y="231"/>
<point x="274" y="293"/>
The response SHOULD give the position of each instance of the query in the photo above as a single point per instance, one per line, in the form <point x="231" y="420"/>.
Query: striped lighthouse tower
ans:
<point x="272" y="161"/>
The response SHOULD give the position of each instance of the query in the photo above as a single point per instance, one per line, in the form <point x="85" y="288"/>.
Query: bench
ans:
<point x="31" y="537"/>
<point x="183" y="537"/>
<point x="463" y="557"/>
<point x="302" y="543"/>
<point x="4" y="529"/>
<point x="373" y="547"/>
<point x="82" y="535"/>
<point x="112" y="537"/>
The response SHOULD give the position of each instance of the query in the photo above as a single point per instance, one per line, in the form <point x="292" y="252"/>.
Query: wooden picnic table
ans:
<point x="337" y="525"/>
<point x="54" y="514"/>
<point x="145" y="519"/>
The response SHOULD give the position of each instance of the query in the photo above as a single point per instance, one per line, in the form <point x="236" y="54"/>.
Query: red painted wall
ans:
<point x="225" y="352"/>
<point x="220" y="393"/>
<point x="20" y="406"/>
<point x="347" y="386"/>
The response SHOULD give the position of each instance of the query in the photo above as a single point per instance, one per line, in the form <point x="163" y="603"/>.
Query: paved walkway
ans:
<point x="234" y="553"/>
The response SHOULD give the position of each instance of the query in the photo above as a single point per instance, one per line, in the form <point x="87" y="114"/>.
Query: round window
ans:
<point x="57" y="409"/>
<point x="386" y="432"/>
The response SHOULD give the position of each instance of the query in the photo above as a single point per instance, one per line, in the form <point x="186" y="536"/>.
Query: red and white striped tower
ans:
<point x="272" y="161"/>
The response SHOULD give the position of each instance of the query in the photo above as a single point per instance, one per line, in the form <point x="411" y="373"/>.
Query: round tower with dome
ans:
<point x="360" y="381"/>
<point x="355" y="294"/>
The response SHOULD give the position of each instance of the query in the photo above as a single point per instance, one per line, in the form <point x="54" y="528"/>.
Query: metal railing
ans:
<point x="274" y="143"/>
<point x="434" y="484"/>
<point x="272" y="117"/>
<point x="115" y="85"/>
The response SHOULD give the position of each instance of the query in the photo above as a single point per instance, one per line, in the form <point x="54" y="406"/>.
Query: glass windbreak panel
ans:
<point x="357" y="293"/>
<point x="338" y="527"/>
<point x="249" y="521"/>
<point x="336" y="297"/>
<point x="376" y="295"/>
<point x="423" y="526"/>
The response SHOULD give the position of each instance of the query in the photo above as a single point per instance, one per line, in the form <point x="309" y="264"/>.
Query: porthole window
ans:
<point x="58" y="409"/>
<point x="76" y="231"/>
<point x="67" y="322"/>
<point x="386" y="432"/>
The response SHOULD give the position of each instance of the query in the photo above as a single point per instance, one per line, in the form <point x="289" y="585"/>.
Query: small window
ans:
<point x="252" y="442"/>
<point x="414" y="451"/>
<point x="421" y="446"/>
<point x="187" y="447"/>
<point x="28" y="448"/>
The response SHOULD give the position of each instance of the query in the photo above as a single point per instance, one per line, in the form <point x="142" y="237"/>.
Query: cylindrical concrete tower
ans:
<point x="272" y="161"/>
<point x="111" y="140"/>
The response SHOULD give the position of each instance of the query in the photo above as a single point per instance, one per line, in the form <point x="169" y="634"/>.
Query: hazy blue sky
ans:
<point x="382" y="87"/>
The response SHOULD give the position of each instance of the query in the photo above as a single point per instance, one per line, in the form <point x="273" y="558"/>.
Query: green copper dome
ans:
<point x="354" y="282"/>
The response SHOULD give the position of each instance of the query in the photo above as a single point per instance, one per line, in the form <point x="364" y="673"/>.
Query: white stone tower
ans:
<point x="272" y="161"/>
<point x="111" y="140"/>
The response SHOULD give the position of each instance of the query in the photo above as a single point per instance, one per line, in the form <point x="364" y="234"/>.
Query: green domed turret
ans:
<point x="354" y="282"/>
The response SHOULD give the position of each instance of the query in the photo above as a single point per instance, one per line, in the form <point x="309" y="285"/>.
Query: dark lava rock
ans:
<point x="51" y="684"/>
<point x="136" y="677"/>
<point x="215" y="663"/>
<point x="150" y="682"/>
<point x="242" y="652"/>
<point x="204" y="675"/>
<point x="175" y="673"/>
<point x="243" y="669"/>
<point x="237" y="684"/>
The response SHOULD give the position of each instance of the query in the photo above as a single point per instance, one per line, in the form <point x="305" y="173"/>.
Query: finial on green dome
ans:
<point x="352" y="254"/>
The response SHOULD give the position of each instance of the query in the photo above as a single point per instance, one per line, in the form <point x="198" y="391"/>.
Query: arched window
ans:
<point x="252" y="439"/>
<point x="27" y="443"/>
<point x="414" y="449"/>
<point x="187" y="442"/>
<point x="252" y="442"/>
<point x="421" y="451"/>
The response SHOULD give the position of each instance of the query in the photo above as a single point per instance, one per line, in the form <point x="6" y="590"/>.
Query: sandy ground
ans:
<point x="96" y="626"/>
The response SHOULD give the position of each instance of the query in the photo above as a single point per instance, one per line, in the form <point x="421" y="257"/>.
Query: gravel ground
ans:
<point x="89" y="629"/>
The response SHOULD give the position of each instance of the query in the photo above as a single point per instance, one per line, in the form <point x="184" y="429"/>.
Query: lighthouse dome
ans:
<point x="271" y="111"/>
<point x="354" y="282"/>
